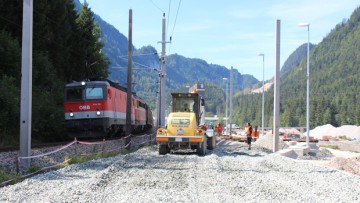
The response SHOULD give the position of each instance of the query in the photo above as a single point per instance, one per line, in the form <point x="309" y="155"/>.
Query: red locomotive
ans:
<point x="98" y="109"/>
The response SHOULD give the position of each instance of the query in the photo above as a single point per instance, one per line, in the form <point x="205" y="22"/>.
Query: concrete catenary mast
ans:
<point x="277" y="88"/>
<point x="26" y="82"/>
<point x="162" y="76"/>
<point x="231" y="96"/>
<point x="129" y="88"/>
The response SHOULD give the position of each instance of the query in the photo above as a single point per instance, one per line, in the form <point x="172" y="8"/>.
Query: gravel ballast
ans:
<point x="230" y="173"/>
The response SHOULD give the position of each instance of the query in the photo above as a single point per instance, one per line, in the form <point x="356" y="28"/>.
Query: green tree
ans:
<point x="327" y="118"/>
<point x="61" y="48"/>
<point x="95" y="63"/>
<point x="9" y="88"/>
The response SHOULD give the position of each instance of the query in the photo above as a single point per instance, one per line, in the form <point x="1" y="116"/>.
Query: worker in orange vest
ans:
<point x="220" y="129"/>
<point x="248" y="133"/>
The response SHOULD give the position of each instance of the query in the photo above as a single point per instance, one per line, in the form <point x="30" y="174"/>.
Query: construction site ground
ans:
<point x="230" y="173"/>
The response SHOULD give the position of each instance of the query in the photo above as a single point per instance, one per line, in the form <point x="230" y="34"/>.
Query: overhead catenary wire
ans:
<point x="175" y="21"/>
<point x="167" y="26"/>
<point x="139" y="64"/>
<point x="177" y="13"/>
<point x="145" y="54"/>
<point x="162" y="11"/>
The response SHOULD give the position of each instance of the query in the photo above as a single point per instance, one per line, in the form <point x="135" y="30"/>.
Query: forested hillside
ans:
<point x="295" y="58"/>
<point x="334" y="84"/>
<point x="66" y="47"/>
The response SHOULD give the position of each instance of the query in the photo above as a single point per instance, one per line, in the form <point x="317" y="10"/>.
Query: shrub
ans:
<point x="34" y="168"/>
<point x="77" y="159"/>
<point x="3" y="176"/>
<point x="330" y="146"/>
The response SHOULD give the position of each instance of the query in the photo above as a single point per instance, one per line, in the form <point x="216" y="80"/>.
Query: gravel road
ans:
<point x="230" y="173"/>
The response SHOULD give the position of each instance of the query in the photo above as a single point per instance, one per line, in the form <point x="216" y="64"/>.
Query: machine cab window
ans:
<point x="184" y="105"/>
<point x="183" y="102"/>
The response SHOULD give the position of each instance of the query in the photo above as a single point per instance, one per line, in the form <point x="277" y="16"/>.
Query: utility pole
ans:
<point x="277" y="89"/>
<point x="129" y="90"/>
<point x="263" y="97"/>
<point x="307" y="85"/>
<point x="231" y="96"/>
<point x="227" y="102"/>
<point x="157" y="124"/>
<point x="26" y="82"/>
<point x="162" y="76"/>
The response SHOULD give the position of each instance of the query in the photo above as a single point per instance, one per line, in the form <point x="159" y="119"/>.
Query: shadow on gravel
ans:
<point x="55" y="175"/>
<point x="182" y="153"/>
<point x="225" y="153"/>
<point x="236" y="153"/>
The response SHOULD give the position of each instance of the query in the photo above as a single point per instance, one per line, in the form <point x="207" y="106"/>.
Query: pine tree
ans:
<point x="94" y="61"/>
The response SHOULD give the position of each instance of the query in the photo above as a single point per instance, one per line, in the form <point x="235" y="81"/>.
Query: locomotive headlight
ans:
<point x="82" y="83"/>
<point x="71" y="114"/>
<point x="98" y="113"/>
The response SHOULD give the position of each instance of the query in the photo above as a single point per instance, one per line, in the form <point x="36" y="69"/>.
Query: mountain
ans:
<point x="180" y="70"/>
<point x="334" y="84"/>
<point x="295" y="58"/>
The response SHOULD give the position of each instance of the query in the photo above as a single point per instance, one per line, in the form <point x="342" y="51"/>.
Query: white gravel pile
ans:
<point x="320" y="131"/>
<point x="350" y="131"/>
<point x="231" y="173"/>
<point x="320" y="154"/>
<point x="268" y="140"/>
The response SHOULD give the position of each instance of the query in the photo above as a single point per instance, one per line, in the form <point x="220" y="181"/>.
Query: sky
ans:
<point x="226" y="32"/>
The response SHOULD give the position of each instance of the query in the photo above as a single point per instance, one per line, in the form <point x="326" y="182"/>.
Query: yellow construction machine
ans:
<point x="185" y="127"/>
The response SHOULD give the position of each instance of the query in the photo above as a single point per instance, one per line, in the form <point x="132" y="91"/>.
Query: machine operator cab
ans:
<point x="189" y="102"/>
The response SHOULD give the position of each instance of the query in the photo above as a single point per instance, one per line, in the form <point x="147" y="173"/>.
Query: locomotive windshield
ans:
<point x="73" y="94"/>
<point x="82" y="94"/>
<point x="94" y="93"/>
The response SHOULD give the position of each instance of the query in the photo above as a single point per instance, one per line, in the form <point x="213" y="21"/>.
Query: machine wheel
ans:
<point x="211" y="142"/>
<point x="163" y="149"/>
<point x="201" y="150"/>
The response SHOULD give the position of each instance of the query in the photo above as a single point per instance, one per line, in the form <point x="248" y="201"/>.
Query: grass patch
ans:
<point x="34" y="168"/>
<point x="343" y="137"/>
<point x="330" y="146"/>
<point x="77" y="159"/>
<point x="3" y="176"/>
